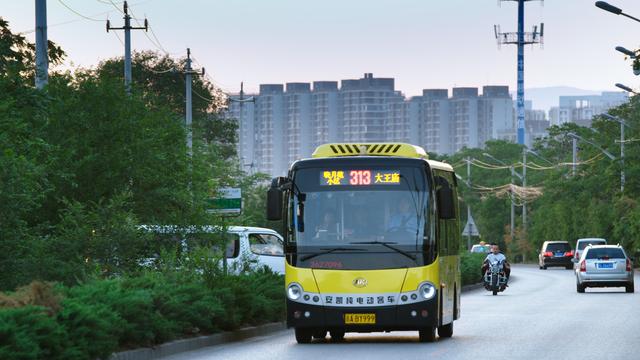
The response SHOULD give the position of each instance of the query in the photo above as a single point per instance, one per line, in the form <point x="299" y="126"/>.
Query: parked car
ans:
<point x="555" y="253"/>
<point x="604" y="266"/>
<point x="582" y="243"/>
<point x="479" y="248"/>
<point x="252" y="247"/>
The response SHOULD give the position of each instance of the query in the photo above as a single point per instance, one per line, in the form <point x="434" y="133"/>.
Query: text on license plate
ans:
<point x="359" y="318"/>
<point x="605" y="266"/>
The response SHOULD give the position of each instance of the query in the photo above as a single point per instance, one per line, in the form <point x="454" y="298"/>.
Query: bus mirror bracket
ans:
<point x="275" y="198"/>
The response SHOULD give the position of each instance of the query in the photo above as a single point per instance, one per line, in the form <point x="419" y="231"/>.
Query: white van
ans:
<point x="247" y="246"/>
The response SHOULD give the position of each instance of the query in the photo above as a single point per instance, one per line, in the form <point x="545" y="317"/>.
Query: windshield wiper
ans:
<point x="328" y="251"/>
<point x="387" y="245"/>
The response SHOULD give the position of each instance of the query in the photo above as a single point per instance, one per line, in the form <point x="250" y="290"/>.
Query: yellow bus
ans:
<point x="372" y="239"/>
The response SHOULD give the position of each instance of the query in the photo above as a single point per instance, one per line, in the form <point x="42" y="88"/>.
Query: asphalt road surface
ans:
<point x="540" y="316"/>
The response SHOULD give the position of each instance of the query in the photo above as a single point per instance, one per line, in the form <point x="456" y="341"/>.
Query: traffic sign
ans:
<point x="228" y="202"/>
<point x="470" y="229"/>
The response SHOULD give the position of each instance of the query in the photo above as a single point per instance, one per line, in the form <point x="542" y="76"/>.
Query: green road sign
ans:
<point x="228" y="202"/>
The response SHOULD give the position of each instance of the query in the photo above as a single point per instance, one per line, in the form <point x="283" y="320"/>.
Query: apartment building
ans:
<point x="288" y="121"/>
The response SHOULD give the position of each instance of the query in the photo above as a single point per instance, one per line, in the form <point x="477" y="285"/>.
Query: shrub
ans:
<point x="93" y="329"/>
<point x="31" y="333"/>
<point x="134" y="306"/>
<point x="470" y="266"/>
<point x="37" y="293"/>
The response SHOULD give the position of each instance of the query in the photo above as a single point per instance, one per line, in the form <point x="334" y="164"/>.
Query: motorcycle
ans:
<point x="495" y="279"/>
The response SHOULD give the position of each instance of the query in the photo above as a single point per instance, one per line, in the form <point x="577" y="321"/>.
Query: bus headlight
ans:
<point x="427" y="290"/>
<point x="294" y="291"/>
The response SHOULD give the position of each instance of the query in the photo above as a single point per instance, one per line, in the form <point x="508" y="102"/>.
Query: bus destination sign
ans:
<point x="359" y="177"/>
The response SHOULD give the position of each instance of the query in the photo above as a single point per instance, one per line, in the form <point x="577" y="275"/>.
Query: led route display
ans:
<point x="359" y="177"/>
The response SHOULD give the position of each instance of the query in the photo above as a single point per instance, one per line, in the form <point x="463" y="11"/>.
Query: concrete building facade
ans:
<point x="287" y="123"/>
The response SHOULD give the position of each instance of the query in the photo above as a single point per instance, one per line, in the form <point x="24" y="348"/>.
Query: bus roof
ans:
<point x="370" y="149"/>
<point x="440" y="165"/>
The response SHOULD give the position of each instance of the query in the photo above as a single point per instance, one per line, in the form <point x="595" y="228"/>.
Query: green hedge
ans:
<point x="95" y="319"/>
<point x="470" y="264"/>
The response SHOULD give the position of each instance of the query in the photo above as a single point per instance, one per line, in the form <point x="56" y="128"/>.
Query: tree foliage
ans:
<point x="83" y="163"/>
<point x="587" y="204"/>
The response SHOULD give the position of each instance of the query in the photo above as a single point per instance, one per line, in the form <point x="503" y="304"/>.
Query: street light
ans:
<point x="622" y="125"/>
<point x="614" y="10"/>
<point x="626" y="51"/>
<point x="626" y="88"/>
<point x="575" y="138"/>
<point x="578" y="137"/>
<point x="539" y="156"/>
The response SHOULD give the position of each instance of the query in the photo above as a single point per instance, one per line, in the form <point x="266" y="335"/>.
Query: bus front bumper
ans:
<point x="387" y="318"/>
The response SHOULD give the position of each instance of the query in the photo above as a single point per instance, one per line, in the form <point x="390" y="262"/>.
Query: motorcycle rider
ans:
<point x="496" y="255"/>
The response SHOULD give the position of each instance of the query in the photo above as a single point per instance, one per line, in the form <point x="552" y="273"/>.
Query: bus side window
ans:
<point x="449" y="234"/>
<point x="442" y="233"/>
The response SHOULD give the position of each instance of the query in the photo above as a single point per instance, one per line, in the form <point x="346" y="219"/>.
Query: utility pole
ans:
<point x="468" y="206"/>
<point x="524" y="186"/>
<point x="520" y="38"/>
<point x="127" y="43"/>
<point x="241" y="100"/>
<point x="574" y="148"/>
<point x="513" y="210"/>
<point x="189" y="72"/>
<point x="42" y="56"/>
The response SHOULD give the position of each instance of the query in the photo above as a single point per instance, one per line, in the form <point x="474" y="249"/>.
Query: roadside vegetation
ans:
<point x="561" y="205"/>
<point x="82" y="166"/>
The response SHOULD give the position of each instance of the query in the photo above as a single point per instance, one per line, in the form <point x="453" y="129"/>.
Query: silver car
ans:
<point x="604" y="266"/>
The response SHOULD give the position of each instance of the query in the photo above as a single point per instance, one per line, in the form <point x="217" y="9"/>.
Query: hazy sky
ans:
<point x="421" y="43"/>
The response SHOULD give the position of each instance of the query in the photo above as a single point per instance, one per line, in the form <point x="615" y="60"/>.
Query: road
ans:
<point x="540" y="316"/>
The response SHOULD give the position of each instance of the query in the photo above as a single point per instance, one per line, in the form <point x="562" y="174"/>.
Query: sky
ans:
<point x="420" y="43"/>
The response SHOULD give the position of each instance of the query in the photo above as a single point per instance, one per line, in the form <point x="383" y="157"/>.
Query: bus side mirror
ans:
<point x="446" y="208"/>
<point x="274" y="200"/>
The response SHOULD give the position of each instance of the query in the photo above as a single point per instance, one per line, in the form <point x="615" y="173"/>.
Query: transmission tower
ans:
<point x="520" y="38"/>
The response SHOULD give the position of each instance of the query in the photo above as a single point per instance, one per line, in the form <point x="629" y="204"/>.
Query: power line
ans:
<point x="82" y="17"/>
<point x="78" y="13"/>
<point x="119" y="39"/>
<point x="157" y="43"/>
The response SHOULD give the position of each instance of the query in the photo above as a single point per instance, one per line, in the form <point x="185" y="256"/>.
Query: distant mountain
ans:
<point x="546" y="97"/>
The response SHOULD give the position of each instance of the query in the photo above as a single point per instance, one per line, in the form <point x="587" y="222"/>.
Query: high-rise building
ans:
<point x="366" y="104"/>
<point x="270" y="124"/>
<point x="326" y="122"/>
<point x="287" y="124"/>
<point x="496" y="113"/>
<point x="436" y="129"/>
<point x="582" y="109"/>
<point x="297" y="113"/>
<point x="463" y="113"/>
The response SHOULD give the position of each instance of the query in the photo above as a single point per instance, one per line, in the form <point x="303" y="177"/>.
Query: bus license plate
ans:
<point x="359" y="318"/>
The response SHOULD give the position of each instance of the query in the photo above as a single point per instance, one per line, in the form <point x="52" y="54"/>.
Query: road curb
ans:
<point x="183" y="345"/>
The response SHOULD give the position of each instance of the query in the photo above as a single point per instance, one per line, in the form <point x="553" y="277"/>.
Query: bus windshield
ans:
<point x="360" y="217"/>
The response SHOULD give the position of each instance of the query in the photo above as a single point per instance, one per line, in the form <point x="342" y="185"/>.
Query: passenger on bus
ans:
<point x="405" y="219"/>
<point x="329" y="225"/>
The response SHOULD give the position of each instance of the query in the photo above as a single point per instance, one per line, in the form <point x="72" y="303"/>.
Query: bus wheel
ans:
<point x="320" y="334"/>
<point x="337" y="335"/>
<point x="446" y="331"/>
<point x="428" y="334"/>
<point x="303" y="336"/>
